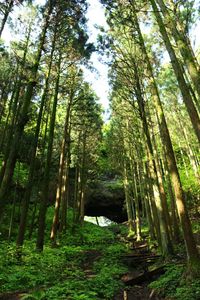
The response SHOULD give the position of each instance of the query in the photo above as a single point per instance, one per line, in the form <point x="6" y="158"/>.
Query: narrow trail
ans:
<point x="144" y="267"/>
<point x="91" y="256"/>
<point x="11" y="296"/>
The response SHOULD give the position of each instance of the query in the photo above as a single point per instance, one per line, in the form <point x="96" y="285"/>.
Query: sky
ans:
<point x="99" y="81"/>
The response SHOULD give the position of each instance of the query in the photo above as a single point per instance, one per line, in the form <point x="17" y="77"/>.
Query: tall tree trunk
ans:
<point x="45" y="187"/>
<point x="23" y="117"/>
<point x="137" y="207"/>
<point x="4" y="99"/>
<point x="26" y="199"/>
<point x="158" y="188"/>
<point x="6" y="127"/>
<point x="174" y="216"/>
<point x="160" y="181"/>
<point x="183" y="44"/>
<point x="128" y="202"/>
<point x="147" y="203"/>
<point x="192" y="252"/>
<point x="190" y="151"/>
<point x="65" y="191"/>
<point x="179" y="73"/>
<point x="13" y="107"/>
<point x="6" y="14"/>
<point x="83" y="179"/>
<point x="65" y="142"/>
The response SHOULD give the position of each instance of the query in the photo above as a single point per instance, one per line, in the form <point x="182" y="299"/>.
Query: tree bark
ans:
<point x="6" y="14"/>
<point x="26" y="199"/>
<point x="183" y="44"/>
<point x="45" y="187"/>
<point x="192" y="252"/>
<point x="179" y="74"/>
<point x="23" y="117"/>
<point x="65" y="142"/>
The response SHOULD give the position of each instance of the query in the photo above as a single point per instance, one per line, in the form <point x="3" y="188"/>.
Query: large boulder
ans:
<point x="106" y="198"/>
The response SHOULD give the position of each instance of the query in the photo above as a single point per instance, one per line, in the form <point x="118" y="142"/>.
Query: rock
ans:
<point x="106" y="198"/>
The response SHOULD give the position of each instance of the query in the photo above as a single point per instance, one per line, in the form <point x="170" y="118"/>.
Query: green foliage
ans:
<point x="196" y="226"/>
<point x="190" y="184"/>
<point x="71" y="289"/>
<point x="114" y="184"/>
<point x="37" y="295"/>
<point x="174" y="284"/>
<point x="21" y="174"/>
<point x="109" y="269"/>
<point x="94" y="235"/>
<point x="123" y="229"/>
<point x="169" y="281"/>
<point x="58" y="273"/>
<point x="106" y="283"/>
<point x="188" y="290"/>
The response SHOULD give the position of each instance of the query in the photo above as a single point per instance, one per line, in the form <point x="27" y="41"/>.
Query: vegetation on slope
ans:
<point x="61" y="272"/>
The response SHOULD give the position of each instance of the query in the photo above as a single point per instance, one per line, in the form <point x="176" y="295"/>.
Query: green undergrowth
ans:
<point x="175" y="285"/>
<point x="58" y="273"/>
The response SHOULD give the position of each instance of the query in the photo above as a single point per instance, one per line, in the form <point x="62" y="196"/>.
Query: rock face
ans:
<point x="106" y="198"/>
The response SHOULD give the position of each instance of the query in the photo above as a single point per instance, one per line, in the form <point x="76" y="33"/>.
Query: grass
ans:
<point x="174" y="284"/>
<point x="58" y="273"/>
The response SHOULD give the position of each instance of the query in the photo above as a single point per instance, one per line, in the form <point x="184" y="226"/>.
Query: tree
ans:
<point x="23" y="116"/>
<point x="126" y="17"/>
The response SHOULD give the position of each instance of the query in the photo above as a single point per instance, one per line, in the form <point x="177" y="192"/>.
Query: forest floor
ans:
<point x="92" y="266"/>
<point x="93" y="263"/>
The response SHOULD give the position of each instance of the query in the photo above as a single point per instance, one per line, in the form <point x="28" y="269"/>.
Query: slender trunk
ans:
<point x="32" y="223"/>
<point x="183" y="44"/>
<point x="4" y="99"/>
<point x="45" y="187"/>
<point x="23" y="118"/>
<point x="6" y="14"/>
<point x="12" y="218"/>
<point x="158" y="189"/>
<point x="137" y="208"/>
<point x="174" y="216"/>
<point x="13" y="108"/>
<point x="65" y="141"/>
<point x="141" y="184"/>
<point x="152" y="193"/>
<point x="6" y="127"/>
<point x="61" y="181"/>
<point x="191" y="154"/>
<point x="147" y="203"/>
<point x="179" y="73"/>
<point x="83" y="179"/>
<point x="75" y="202"/>
<point x="160" y="181"/>
<point x="26" y="199"/>
<point x="192" y="252"/>
<point x="65" y="194"/>
<point x="183" y="159"/>
<point x="128" y="203"/>
<point x="65" y="187"/>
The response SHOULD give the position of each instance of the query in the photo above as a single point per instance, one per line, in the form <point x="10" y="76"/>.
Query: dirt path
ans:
<point x="137" y="292"/>
<point x="10" y="296"/>
<point x="91" y="256"/>
<point x="140" y="262"/>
